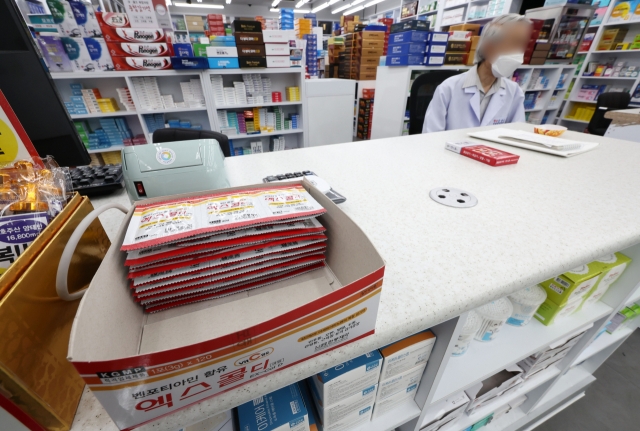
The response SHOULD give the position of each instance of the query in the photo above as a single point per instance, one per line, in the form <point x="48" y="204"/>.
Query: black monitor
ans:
<point x="32" y="94"/>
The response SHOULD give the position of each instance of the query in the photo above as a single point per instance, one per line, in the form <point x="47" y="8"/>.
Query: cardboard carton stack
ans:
<point x="302" y="26"/>
<point x="222" y="52"/>
<point x="277" y="49"/>
<point x="387" y="22"/>
<point x="407" y="47"/>
<point x="402" y="368"/>
<point x="535" y="39"/>
<point x="463" y="38"/>
<point x="250" y="41"/>
<point x="335" y="47"/>
<point x="365" y="117"/>
<point x="311" y="53"/>
<point x="543" y="359"/>
<point x="216" y="25"/>
<point x="611" y="38"/>
<point x="362" y="54"/>
<point x="210" y="263"/>
<point x="286" y="19"/>
<point x="344" y="395"/>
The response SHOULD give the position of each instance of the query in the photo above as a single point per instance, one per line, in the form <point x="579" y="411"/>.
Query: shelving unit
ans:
<point x="592" y="55"/>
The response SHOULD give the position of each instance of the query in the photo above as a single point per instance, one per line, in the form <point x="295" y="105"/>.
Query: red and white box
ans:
<point x="482" y="153"/>
<point x="112" y="20"/>
<point x="136" y="35"/>
<point x="127" y="49"/>
<point x="143" y="366"/>
<point x="142" y="63"/>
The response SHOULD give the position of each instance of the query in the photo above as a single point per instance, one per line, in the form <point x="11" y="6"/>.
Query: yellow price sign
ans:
<point x="14" y="142"/>
<point x="8" y="143"/>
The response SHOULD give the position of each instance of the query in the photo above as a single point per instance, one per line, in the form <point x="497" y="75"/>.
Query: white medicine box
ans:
<point x="390" y="403"/>
<point x="347" y="412"/>
<point x="499" y="384"/>
<point x="400" y="382"/>
<point x="406" y="354"/>
<point x="347" y="379"/>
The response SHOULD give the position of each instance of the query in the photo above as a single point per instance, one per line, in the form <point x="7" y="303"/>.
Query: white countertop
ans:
<point x="534" y="220"/>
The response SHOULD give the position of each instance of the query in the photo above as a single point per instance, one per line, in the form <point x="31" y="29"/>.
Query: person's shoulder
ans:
<point x="511" y="86"/>
<point x="455" y="81"/>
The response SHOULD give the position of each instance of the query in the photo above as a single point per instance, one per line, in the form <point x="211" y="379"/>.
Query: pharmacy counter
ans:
<point x="533" y="220"/>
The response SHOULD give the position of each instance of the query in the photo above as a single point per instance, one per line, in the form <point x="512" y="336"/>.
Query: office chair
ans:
<point x="421" y="94"/>
<point x="175" y="134"/>
<point x="606" y="102"/>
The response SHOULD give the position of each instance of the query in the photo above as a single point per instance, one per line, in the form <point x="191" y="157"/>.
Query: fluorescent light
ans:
<point x="341" y="8"/>
<point x="228" y="1"/>
<point x="322" y="6"/>
<point x="356" y="2"/>
<point x="332" y="2"/>
<point x="371" y="3"/>
<point x="274" y="9"/>
<point x="299" y="4"/>
<point x="169" y="3"/>
<point x="301" y="10"/>
<point x="355" y="9"/>
<point x="204" y="6"/>
<point x="275" y="3"/>
<point x="199" y="1"/>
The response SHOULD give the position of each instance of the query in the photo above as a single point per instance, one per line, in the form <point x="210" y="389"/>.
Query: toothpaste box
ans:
<point x="407" y="48"/>
<point x="86" y="19"/>
<point x="135" y="35"/>
<point x="99" y="53"/>
<point x="573" y="284"/>
<point x="347" y="412"/>
<point x="406" y="354"/>
<point x="314" y="421"/>
<point x="399" y="382"/>
<point x="408" y="36"/>
<point x="388" y="404"/>
<point x="78" y="54"/>
<point x="348" y="378"/>
<point x="64" y="19"/>
<point x="142" y="63"/>
<point x="112" y="19"/>
<point x="54" y="54"/>
<point x="127" y="49"/>
<point x="612" y="266"/>
<point x="281" y="410"/>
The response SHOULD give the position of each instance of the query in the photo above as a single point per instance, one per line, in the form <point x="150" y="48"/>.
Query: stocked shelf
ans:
<point x="258" y="105"/>
<point x="103" y="115"/>
<point x="602" y="342"/>
<point x="170" y="110"/>
<point x="608" y="77"/>
<point x="106" y="150"/>
<point x="252" y="70"/>
<point x="124" y="74"/>
<point x="393" y="419"/>
<point x="257" y="135"/>
<point x="573" y="120"/>
<point x="511" y="345"/>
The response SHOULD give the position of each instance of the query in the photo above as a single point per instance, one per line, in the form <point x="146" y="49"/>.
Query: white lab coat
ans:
<point x="454" y="107"/>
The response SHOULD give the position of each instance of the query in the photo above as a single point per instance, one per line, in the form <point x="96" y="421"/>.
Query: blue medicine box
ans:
<point x="404" y="60"/>
<point x="408" y="36"/>
<point x="183" y="50"/>
<point x="279" y="410"/>
<point x="189" y="63"/>
<point x="438" y="37"/>
<point x="434" y="60"/>
<point x="407" y="48"/>
<point x="223" y="63"/>
<point x="438" y="49"/>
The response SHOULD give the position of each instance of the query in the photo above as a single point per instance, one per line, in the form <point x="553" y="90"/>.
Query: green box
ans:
<point x="573" y="284"/>
<point x="611" y="266"/>
<point x="549" y="311"/>
<point x="200" y="49"/>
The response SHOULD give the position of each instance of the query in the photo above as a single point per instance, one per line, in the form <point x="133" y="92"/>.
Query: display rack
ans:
<point x="592" y="55"/>
<point x="169" y="83"/>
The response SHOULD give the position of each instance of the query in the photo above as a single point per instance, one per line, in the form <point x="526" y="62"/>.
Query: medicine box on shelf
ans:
<point x="281" y="410"/>
<point x="497" y="385"/>
<point x="217" y="330"/>
<point x="406" y="354"/>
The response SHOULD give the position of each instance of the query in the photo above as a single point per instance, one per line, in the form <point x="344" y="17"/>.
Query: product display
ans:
<point x="275" y="411"/>
<point x="406" y="354"/>
<point x="488" y="390"/>
<point x="525" y="303"/>
<point x="468" y="331"/>
<point x="494" y="315"/>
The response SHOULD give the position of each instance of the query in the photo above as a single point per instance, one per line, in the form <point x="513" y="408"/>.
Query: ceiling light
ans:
<point x="356" y="2"/>
<point x="169" y="3"/>
<point x="199" y="1"/>
<point x="275" y="3"/>
<point x="332" y="2"/>
<point x="322" y="6"/>
<point x="355" y="9"/>
<point x="371" y="3"/>
<point x="341" y="8"/>
<point x="274" y="9"/>
<point x="205" y="6"/>
<point x="228" y="1"/>
<point x="299" y="4"/>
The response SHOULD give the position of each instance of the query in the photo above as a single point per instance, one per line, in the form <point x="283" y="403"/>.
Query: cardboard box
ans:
<point x="142" y="63"/>
<point x="611" y="266"/>
<point x="573" y="284"/>
<point x="410" y="48"/>
<point x="474" y="42"/>
<point x="455" y="58"/>
<point x="472" y="28"/>
<point x="278" y="36"/>
<point x="134" y="35"/>
<point x="406" y="354"/>
<point x="461" y="36"/>
<point x="438" y="49"/>
<point x="404" y="60"/>
<point x="537" y="61"/>
<point x="63" y="17"/>
<point x="194" y="23"/>
<point x="445" y="412"/>
<point x="251" y="51"/>
<point x="549" y="311"/>
<point x="78" y="54"/>
<point x="249" y="38"/>
<point x="400" y="382"/>
<point x="408" y="36"/>
<point x="245" y="26"/>
<point x="250" y="62"/>
<point x="200" y="49"/>
<point x="438" y="37"/>
<point x="369" y="43"/>
<point x="388" y="404"/>
<point x="99" y="53"/>
<point x="223" y="63"/>
<point x="370" y="35"/>
<point x="368" y="61"/>
<point x="314" y="420"/>
<point x="140" y="49"/>
<point x="281" y="410"/>
<point x="540" y="54"/>
<point x="491" y="388"/>
<point x="85" y="17"/>
<point x="434" y="60"/>
<point x="414" y="24"/>
<point x="222" y="51"/>
<point x="348" y="378"/>
<point x="338" y="303"/>
<point x="471" y="58"/>
<point x="347" y="413"/>
<point x="277" y="49"/>
<point x="458" y="46"/>
<point x="278" y="61"/>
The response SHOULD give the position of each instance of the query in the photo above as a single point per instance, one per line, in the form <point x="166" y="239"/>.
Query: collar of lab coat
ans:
<point x="494" y="105"/>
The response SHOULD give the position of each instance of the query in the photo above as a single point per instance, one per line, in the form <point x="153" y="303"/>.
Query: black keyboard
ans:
<point x="96" y="180"/>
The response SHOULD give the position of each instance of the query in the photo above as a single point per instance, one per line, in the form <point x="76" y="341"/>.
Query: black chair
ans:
<point x="421" y="94"/>
<point x="175" y="134"/>
<point x="606" y="102"/>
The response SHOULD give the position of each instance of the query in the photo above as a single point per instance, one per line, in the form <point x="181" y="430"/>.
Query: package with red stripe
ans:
<point x="201" y="293"/>
<point x="483" y="154"/>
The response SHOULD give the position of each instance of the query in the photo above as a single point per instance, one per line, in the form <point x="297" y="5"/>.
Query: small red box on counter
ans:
<point x="127" y="49"/>
<point x="489" y="156"/>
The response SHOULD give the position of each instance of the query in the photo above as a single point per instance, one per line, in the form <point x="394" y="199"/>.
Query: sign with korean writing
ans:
<point x="16" y="233"/>
<point x="141" y="13"/>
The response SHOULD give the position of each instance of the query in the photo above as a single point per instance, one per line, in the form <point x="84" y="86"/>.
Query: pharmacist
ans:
<point x="484" y="95"/>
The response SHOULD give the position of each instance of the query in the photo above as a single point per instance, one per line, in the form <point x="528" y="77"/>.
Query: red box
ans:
<point x="368" y="93"/>
<point x="135" y="35"/>
<point x="490" y="156"/>
<point x="127" y="49"/>
<point x="112" y="20"/>
<point x="142" y="63"/>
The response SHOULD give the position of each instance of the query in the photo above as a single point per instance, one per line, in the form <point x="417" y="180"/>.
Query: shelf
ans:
<point x="431" y="12"/>
<point x="114" y="74"/>
<point x="610" y="51"/>
<point x="167" y="111"/>
<point x="609" y="77"/>
<point x="602" y="342"/>
<point x="393" y="419"/>
<point x="576" y="378"/>
<point x="530" y="384"/>
<point x="537" y="89"/>
<point x="103" y="115"/>
<point x="575" y="121"/>
<point x="106" y="150"/>
<point x="456" y="6"/>
<point x="583" y="101"/>
<point x="258" y="105"/>
<point x="511" y="345"/>
<point x="296" y="70"/>
<point x="257" y="135"/>
<point x="553" y="108"/>
<point x="635" y="296"/>
<point x="533" y="110"/>
<point x="487" y="18"/>
<point x="613" y="24"/>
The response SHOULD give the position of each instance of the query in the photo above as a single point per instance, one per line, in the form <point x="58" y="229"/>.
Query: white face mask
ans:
<point x="505" y="65"/>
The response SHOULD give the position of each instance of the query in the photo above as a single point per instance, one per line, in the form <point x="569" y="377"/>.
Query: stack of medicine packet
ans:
<point x="205" y="247"/>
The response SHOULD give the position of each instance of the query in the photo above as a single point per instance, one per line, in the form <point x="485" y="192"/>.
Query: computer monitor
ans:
<point x="32" y="94"/>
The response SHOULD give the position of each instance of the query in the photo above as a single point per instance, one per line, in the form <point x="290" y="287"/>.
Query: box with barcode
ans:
<point x="573" y="284"/>
<point x="281" y="410"/>
<point x="406" y="354"/>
